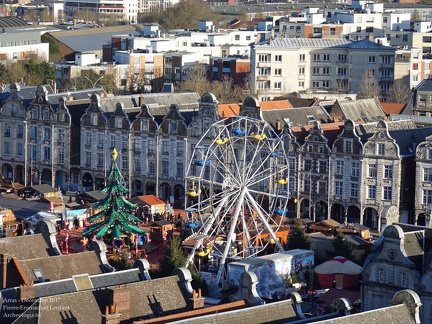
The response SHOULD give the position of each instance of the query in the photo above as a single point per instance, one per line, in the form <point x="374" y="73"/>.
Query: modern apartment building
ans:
<point x="281" y="66"/>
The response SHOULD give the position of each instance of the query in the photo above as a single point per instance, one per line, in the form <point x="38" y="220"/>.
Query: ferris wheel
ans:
<point x="237" y="191"/>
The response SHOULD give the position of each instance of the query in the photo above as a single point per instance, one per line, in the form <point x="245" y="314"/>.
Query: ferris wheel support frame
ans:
<point x="230" y="234"/>
<point x="206" y="229"/>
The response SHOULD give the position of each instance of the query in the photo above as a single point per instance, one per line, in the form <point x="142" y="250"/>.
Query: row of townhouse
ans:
<point x="363" y="170"/>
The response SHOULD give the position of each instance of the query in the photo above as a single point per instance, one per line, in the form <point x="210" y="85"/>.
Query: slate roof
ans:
<point x="277" y="312"/>
<point x="359" y="109"/>
<point x="71" y="264"/>
<point x="366" y="130"/>
<point x="331" y="132"/>
<point x="408" y="138"/>
<point x="43" y="188"/>
<point x="24" y="247"/>
<point x="425" y="85"/>
<point x="148" y="299"/>
<point x="97" y="195"/>
<point x="23" y="208"/>
<point x="398" y="314"/>
<point x="92" y="39"/>
<point x="298" y="116"/>
<point x="304" y="42"/>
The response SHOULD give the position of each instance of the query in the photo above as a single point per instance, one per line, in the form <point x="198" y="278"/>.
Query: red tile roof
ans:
<point x="152" y="200"/>
<point x="392" y="107"/>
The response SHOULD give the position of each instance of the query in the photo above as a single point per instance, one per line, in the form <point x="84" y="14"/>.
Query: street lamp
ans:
<point x="95" y="82"/>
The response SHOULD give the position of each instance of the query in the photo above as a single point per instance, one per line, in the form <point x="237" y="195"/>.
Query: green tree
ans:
<point x="32" y="72"/>
<point x="174" y="258"/>
<point x="54" y="50"/>
<point x="114" y="216"/>
<point x="298" y="238"/>
<point x="340" y="246"/>
<point x="185" y="15"/>
<point x="120" y="261"/>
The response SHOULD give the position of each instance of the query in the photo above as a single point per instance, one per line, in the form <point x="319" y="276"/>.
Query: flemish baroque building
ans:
<point x="350" y="170"/>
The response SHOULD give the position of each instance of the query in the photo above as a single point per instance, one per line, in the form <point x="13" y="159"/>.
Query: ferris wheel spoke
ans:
<point x="265" y="223"/>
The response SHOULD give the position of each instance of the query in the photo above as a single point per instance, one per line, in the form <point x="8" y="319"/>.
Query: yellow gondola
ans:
<point x="282" y="181"/>
<point x="221" y="141"/>
<point x="205" y="251"/>
<point x="193" y="193"/>
<point x="259" y="137"/>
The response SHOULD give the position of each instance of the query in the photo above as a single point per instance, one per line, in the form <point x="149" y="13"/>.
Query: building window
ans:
<point x="278" y="72"/>
<point x="322" y="187"/>
<point x="173" y="127"/>
<point x="339" y="167"/>
<point x="316" y="57"/>
<point x="308" y="165"/>
<point x="278" y="58"/>
<point x="144" y="125"/>
<point x="427" y="174"/>
<point x="341" y="71"/>
<point x="165" y="168"/>
<point x="354" y="190"/>
<point x="372" y="170"/>
<point x="47" y="153"/>
<point x="165" y="147"/>
<point x="381" y="149"/>
<point x="315" y="71"/>
<point x="113" y="141"/>
<point x="277" y="85"/>
<point x="339" y="188"/>
<point x="301" y="70"/>
<point x="137" y="165"/>
<point x="47" y="134"/>
<point x="7" y="131"/>
<point x="371" y="192"/>
<point x="118" y="122"/>
<point x="20" y="149"/>
<point x="179" y="169"/>
<point x="381" y="274"/>
<point x="315" y="84"/>
<point x="20" y="131"/>
<point x="94" y="119"/>
<point x="322" y="167"/>
<point x="151" y="147"/>
<point x="152" y="168"/>
<point x="355" y="169"/>
<point x="100" y="159"/>
<point x="7" y="149"/>
<point x="388" y="171"/>
<point x="34" y="113"/>
<point x="415" y="66"/>
<point x="342" y="57"/>
<point x="88" y="158"/>
<point x="263" y="71"/>
<point x="326" y="71"/>
<point x="326" y="57"/>
<point x="371" y="59"/>
<point x="301" y="84"/>
<point x="124" y="162"/>
<point x="60" y="155"/>
<point x="87" y="138"/>
<point x="46" y="115"/>
<point x="302" y="57"/>
<point x="237" y="37"/>
<point x="403" y="279"/>
<point x="427" y="197"/>
<point x="348" y="146"/>
<point x="264" y="58"/>
<point x="387" y="193"/>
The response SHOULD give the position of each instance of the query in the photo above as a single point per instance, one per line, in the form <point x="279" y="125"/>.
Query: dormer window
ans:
<point x="35" y="114"/>
<point x="46" y="115"/>
<point x="94" y="119"/>
<point x="118" y="122"/>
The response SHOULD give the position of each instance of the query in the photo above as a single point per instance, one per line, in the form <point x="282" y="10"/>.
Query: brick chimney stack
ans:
<point x="121" y="300"/>
<point x="196" y="301"/>
<point x="111" y="316"/>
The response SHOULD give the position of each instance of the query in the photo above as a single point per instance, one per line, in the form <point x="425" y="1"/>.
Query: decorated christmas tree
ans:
<point x="115" y="216"/>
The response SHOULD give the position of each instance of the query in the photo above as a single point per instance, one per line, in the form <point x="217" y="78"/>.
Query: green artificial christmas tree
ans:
<point x="114" y="216"/>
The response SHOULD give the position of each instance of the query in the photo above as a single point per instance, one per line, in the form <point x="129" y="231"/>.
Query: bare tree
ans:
<point x="399" y="92"/>
<point x="369" y="87"/>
